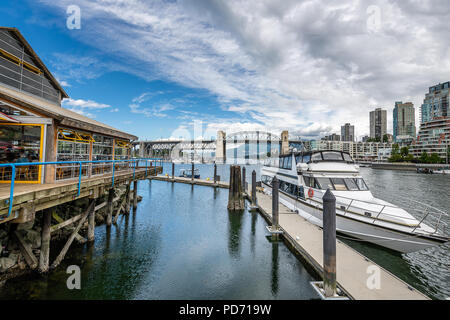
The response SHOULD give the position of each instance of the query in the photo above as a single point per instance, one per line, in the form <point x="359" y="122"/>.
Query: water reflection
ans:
<point x="234" y="229"/>
<point x="274" y="277"/>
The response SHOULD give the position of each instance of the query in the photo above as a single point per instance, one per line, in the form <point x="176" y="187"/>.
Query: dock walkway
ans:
<point x="353" y="269"/>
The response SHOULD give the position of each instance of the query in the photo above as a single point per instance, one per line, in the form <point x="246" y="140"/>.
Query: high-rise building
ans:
<point x="378" y="123"/>
<point x="332" y="137"/>
<point x="347" y="132"/>
<point x="404" y="124"/>
<point x="434" y="133"/>
<point x="436" y="103"/>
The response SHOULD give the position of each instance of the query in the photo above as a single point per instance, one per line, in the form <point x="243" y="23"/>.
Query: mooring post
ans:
<point x="275" y="203"/>
<point x="135" y="195"/>
<point x="110" y="207"/>
<point x="91" y="221"/>
<point x="173" y="171"/>
<point x="329" y="243"/>
<point x="215" y="173"/>
<point x="192" y="173"/>
<point x="243" y="180"/>
<point x="44" y="257"/>
<point x="254" y="188"/>
<point x="235" y="196"/>
<point x="128" y="198"/>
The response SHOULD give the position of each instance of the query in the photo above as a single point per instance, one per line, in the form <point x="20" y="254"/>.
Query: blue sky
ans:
<point x="151" y="68"/>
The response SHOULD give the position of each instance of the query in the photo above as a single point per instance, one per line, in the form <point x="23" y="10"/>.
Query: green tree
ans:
<point x="404" y="152"/>
<point x="434" y="158"/>
<point x="385" y="138"/>
<point x="424" y="157"/>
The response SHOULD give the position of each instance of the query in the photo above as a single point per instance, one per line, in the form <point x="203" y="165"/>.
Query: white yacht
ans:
<point x="305" y="177"/>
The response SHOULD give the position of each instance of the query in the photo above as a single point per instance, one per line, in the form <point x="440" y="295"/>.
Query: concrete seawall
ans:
<point x="395" y="166"/>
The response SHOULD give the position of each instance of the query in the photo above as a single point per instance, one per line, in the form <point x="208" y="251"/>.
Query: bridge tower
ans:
<point x="285" y="142"/>
<point x="221" y="147"/>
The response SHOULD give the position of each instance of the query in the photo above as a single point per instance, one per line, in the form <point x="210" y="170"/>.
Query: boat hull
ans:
<point x="369" y="232"/>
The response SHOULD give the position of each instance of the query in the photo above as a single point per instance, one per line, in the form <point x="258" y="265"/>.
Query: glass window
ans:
<point x="301" y="192"/>
<point x="19" y="144"/>
<point x="351" y="184"/>
<point x="361" y="184"/>
<point x="306" y="158"/>
<point x="347" y="157"/>
<point x="307" y="181"/>
<point x="339" y="184"/>
<point x="316" y="157"/>
<point x="298" y="159"/>
<point x="289" y="162"/>
<point x="330" y="155"/>
<point x="323" y="183"/>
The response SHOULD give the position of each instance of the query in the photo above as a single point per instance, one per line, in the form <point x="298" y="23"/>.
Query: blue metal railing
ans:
<point x="136" y="163"/>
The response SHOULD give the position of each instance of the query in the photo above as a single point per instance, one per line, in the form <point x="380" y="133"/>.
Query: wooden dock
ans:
<point x="353" y="269"/>
<point x="37" y="197"/>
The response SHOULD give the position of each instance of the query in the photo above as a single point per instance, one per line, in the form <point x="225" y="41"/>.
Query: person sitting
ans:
<point x="22" y="157"/>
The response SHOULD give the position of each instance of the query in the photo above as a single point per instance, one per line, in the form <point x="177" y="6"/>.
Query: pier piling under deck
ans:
<point x="353" y="270"/>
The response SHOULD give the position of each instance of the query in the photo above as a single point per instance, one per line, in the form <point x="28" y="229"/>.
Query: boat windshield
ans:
<point x="338" y="184"/>
<point x="330" y="155"/>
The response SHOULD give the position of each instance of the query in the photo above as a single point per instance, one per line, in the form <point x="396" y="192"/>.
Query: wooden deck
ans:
<point x="36" y="197"/>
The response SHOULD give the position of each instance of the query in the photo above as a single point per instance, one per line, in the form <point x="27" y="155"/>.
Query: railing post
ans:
<point x="329" y="243"/>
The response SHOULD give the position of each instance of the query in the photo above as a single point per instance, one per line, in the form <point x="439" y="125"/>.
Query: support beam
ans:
<point x="66" y="223"/>
<point x="91" y="221"/>
<point x="61" y="255"/>
<point x="120" y="208"/>
<point x="45" y="241"/>
<point x="128" y="198"/>
<point x="135" y="195"/>
<point x="109" y="207"/>
<point x="26" y="250"/>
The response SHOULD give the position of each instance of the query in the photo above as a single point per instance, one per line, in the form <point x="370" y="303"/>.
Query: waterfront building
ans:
<point x="404" y="123"/>
<point x="332" y="137"/>
<point x="360" y="151"/>
<point x="378" y="123"/>
<point x="436" y="103"/>
<point x="347" y="132"/>
<point x="34" y="127"/>
<point x="365" y="138"/>
<point x="434" y="132"/>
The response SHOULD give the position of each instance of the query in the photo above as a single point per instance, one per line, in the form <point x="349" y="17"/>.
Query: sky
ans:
<point x="153" y="68"/>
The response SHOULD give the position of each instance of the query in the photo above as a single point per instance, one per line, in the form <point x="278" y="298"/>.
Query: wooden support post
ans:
<point x="254" y="188"/>
<point x="45" y="241"/>
<point x="128" y="198"/>
<point x="215" y="173"/>
<point x="91" y="222"/>
<point x="135" y="195"/>
<point x="61" y="255"/>
<point x="27" y="252"/>
<point x="110" y="206"/>
<point x="329" y="243"/>
<point x="243" y="180"/>
<point x="235" y="196"/>
<point x="275" y="204"/>
<point x="173" y="171"/>
<point x="192" y="173"/>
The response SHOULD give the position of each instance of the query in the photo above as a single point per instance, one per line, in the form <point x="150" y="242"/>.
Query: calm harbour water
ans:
<point x="183" y="244"/>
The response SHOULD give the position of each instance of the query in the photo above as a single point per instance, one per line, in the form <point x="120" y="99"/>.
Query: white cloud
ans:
<point x="84" y="104"/>
<point x="307" y="66"/>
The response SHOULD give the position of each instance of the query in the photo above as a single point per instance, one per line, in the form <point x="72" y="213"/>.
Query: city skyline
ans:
<point x="145" y="73"/>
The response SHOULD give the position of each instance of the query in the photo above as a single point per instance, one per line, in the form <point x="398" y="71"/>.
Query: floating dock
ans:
<point x="354" y="270"/>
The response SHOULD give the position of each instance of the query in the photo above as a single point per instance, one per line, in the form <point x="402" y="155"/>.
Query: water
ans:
<point x="427" y="270"/>
<point x="182" y="243"/>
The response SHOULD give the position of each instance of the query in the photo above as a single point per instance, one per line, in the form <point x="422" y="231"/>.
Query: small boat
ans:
<point x="187" y="173"/>
<point x="441" y="171"/>
<point x="305" y="177"/>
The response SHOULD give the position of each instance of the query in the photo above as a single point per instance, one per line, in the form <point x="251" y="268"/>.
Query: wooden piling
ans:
<point x="243" y="180"/>
<point x="275" y="204"/>
<point x="128" y="198"/>
<point x="110" y="207"/>
<point x="135" y="195"/>
<point x="173" y="170"/>
<point x="329" y="243"/>
<point x="253" y="188"/>
<point x="235" y="195"/>
<point x="91" y="221"/>
<point x="45" y="241"/>
<point x="192" y="173"/>
<point x="215" y="173"/>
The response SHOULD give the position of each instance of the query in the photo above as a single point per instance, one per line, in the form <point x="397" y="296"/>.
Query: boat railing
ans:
<point x="423" y="214"/>
<point x="132" y="164"/>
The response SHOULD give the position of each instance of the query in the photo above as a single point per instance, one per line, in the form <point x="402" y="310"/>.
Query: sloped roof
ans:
<point x="38" y="60"/>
